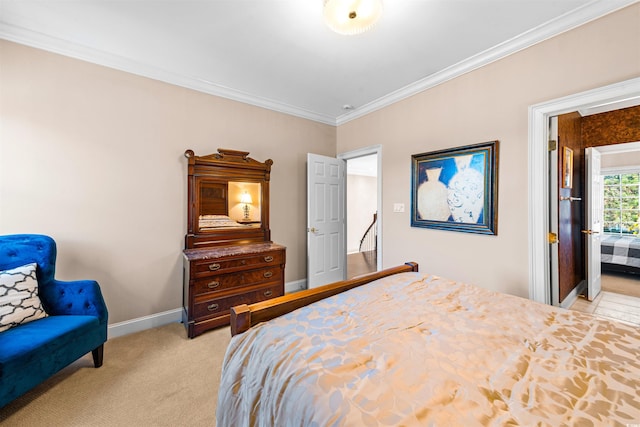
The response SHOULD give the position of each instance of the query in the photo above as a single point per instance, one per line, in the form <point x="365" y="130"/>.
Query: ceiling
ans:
<point x="278" y="54"/>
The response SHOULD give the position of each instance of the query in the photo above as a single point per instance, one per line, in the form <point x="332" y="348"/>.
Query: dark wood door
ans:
<point x="571" y="269"/>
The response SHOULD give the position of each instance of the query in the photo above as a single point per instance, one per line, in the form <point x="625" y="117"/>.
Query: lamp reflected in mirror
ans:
<point x="245" y="198"/>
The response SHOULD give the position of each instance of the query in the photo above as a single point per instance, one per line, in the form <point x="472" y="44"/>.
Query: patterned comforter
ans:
<point x="414" y="349"/>
<point x="622" y="250"/>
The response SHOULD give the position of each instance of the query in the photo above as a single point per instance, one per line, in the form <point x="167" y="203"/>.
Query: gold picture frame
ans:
<point x="567" y="167"/>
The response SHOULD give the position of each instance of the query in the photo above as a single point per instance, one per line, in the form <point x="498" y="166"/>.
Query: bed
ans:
<point x="405" y="348"/>
<point x="620" y="254"/>
<point x="208" y="222"/>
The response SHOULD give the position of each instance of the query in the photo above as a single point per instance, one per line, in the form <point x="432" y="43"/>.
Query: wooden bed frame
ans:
<point x="245" y="316"/>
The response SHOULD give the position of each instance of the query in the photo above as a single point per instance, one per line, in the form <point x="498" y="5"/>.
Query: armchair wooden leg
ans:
<point x="97" y="356"/>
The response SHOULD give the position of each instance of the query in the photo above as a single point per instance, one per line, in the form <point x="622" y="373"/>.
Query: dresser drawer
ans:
<point x="233" y="280"/>
<point x="218" y="306"/>
<point x="219" y="277"/>
<point x="208" y="267"/>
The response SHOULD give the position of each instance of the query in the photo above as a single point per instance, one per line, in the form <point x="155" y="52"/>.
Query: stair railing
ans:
<point x="369" y="241"/>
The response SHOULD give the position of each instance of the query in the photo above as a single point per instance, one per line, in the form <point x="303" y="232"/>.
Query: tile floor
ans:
<point x="610" y="305"/>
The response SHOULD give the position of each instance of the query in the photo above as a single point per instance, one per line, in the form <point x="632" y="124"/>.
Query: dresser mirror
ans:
<point x="228" y="199"/>
<point x="225" y="206"/>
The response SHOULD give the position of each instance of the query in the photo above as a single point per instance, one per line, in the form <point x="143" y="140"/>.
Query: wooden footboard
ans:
<point x="245" y="316"/>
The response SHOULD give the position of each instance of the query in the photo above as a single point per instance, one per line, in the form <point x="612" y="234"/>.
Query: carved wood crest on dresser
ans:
<point x="229" y="258"/>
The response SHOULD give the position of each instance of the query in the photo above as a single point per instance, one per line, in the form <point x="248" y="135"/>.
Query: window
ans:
<point x="621" y="203"/>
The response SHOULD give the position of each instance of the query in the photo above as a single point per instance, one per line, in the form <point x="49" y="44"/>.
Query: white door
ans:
<point x="326" y="223"/>
<point x="595" y="197"/>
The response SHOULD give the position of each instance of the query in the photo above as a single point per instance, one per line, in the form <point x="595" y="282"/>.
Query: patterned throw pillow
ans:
<point x="19" y="301"/>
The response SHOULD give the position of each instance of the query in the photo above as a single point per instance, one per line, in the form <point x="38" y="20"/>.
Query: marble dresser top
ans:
<point x="223" y="251"/>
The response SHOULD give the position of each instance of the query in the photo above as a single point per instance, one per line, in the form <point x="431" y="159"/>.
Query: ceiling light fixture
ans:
<point x="351" y="16"/>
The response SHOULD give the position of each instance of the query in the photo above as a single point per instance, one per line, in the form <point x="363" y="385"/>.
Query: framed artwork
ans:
<point x="456" y="189"/>
<point x="567" y="167"/>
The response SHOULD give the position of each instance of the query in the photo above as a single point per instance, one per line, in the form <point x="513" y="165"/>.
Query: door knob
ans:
<point x="590" y="232"/>
<point x="313" y="229"/>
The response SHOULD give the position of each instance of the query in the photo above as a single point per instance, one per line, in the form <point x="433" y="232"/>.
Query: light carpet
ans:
<point x="619" y="283"/>
<point x="157" y="377"/>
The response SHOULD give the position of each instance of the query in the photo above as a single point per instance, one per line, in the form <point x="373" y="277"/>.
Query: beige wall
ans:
<point x="94" y="158"/>
<point x="487" y="104"/>
<point x="617" y="160"/>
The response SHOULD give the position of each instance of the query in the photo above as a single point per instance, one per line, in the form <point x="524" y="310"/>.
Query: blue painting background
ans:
<point x="449" y="169"/>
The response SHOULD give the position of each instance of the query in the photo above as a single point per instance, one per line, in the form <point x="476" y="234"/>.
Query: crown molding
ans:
<point x="56" y="45"/>
<point x="587" y="13"/>
<point x="561" y="24"/>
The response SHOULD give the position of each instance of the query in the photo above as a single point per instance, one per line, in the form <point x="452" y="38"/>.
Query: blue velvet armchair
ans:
<point x="76" y="321"/>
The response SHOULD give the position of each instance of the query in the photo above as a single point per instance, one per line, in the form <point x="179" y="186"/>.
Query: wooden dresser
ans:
<point x="229" y="258"/>
<point x="217" y="279"/>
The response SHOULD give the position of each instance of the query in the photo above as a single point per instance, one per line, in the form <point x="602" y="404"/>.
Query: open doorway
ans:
<point x="596" y="212"/>
<point x="363" y="194"/>
<point x="625" y="95"/>
<point x="620" y="242"/>
<point x="362" y="215"/>
<point x="539" y="115"/>
<point x="620" y="169"/>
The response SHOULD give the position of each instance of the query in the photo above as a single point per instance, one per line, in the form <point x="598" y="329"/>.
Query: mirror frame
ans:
<point x="221" y="168"/>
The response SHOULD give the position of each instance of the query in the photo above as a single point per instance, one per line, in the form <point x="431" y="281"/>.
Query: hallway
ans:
<point x="360" y="263"/>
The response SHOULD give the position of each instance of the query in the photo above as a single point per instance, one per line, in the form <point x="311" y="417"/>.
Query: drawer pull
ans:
<point x="213" y="307"/>
<point x="268" y="293"/>
<point x="213" y="285"/>
<point x="268" y="258"/>
<point x="214" y="267"/>
<point x="243" y="262"/>
<point x="268" y="274"/>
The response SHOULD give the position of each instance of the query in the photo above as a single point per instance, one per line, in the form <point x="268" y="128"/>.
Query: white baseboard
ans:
<point x="296" y="286"/>
<point x="142" y="323"/>
<point x="127" y="327"/>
